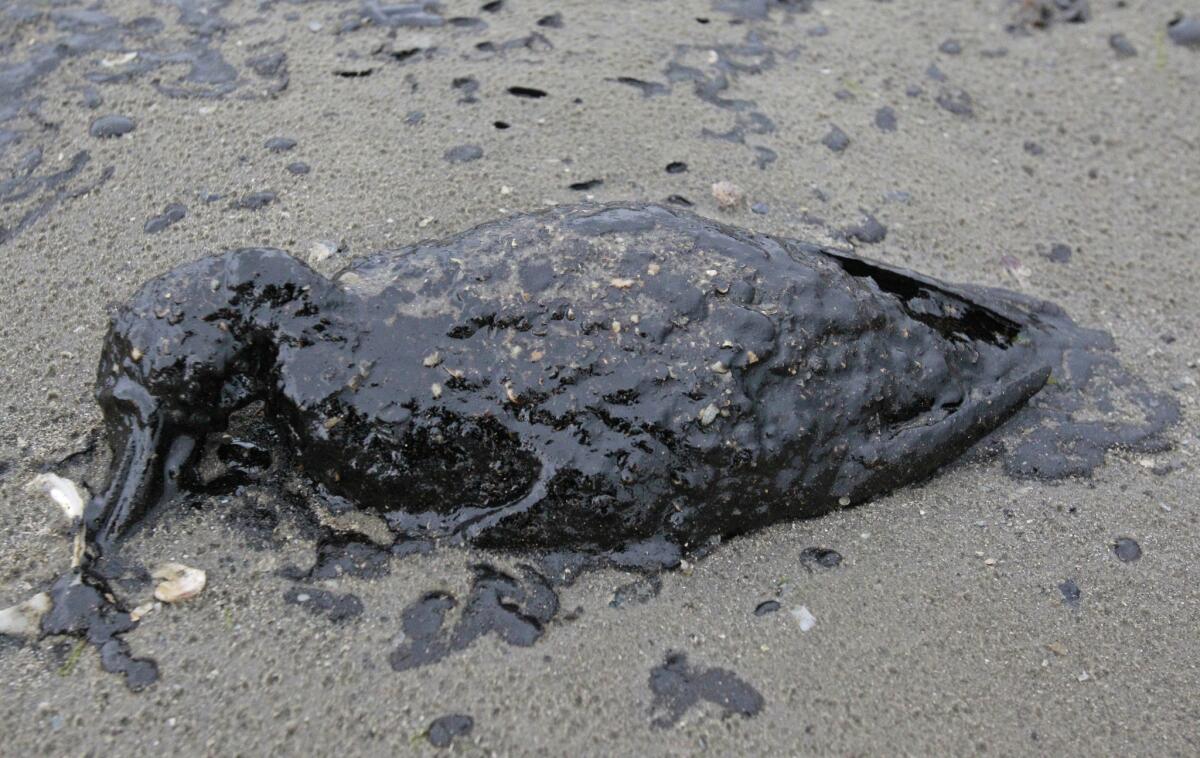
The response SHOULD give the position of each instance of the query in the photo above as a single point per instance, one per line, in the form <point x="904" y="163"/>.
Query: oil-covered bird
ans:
<point x="585" y="377"/>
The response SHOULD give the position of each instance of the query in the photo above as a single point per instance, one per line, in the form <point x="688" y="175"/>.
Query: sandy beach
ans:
<point x="978" y="612"/>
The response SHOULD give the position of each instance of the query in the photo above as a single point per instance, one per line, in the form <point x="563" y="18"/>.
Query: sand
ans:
<point x="944" y="629"/>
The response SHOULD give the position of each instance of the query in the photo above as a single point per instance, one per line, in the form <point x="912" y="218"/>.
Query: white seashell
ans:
<point x="728" y="195"/>
<point x="25" y="619"/>
<point x="177" y="582"/>
<point x="137" y="613"/>
<point x="320" y="251"/>
<point x="62" y="491"/>
<point x="805" y="617"/>
<point x="119" y="60"/>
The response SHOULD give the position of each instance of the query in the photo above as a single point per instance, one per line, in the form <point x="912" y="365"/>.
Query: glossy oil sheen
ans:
<point x="584" y="377"/>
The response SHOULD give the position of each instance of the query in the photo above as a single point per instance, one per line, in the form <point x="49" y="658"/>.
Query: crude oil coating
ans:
<point x="677" y="687"/>
<point x="323" y="602"/>
<point x="444" y="729"/>
<point x="516" y="611"/>
<point x="822" y="557"/>
<point x="343" y="555"/>
<point x="83" y="606"/>
<point x="639" y="591"/>
<point x="587" y="377"/>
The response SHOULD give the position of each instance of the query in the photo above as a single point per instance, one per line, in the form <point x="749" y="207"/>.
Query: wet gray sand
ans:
<point x="979" y="611"/>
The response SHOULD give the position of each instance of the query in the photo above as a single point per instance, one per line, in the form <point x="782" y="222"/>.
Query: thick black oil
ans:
<point x="766" y="607"/>
<point x="586" y="377"/>
<point x="515" y="610"/>
<point x="84" y="606"/>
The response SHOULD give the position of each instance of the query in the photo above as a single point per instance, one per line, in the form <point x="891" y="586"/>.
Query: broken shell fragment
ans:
<point x="138" y="613"/>
<point x="62" y="491"/>
<point x="805" y="617"/>
<point x="728" y="195"/>
<point x="25" y="619"/>
<point x="178" y="582"/>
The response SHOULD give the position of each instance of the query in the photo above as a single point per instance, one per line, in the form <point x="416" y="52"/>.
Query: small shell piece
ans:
<point x="62" y="491"/>
<point x="805" y="617"/>
<point x="25" y="619"/>
<point x="728" y="195"/>
<point x="138" y="613"/>
<point x="177" y="582"/>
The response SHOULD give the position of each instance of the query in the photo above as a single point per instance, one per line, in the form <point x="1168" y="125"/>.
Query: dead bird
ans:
<point x="583" y="377"/>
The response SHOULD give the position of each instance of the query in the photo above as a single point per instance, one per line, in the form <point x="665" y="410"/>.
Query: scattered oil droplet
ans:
<point x="1127" y="549"/>
<point x="172" y="214"/>
<point x="648" y="89"/>
<point x="766" y="607"/>
<point x="885" y="119"/>
<point x="1059" y="253"/>
<point x="112" y="125"/>
<point x="677" y="687"/>
<point x="951" y="47"/>
<point x="956" y="100"/>
<point x="254" y="201"/>
<point x="639" y="591"/>
<point x="516" y="611"/>
<point x="1122" y="46"/>
<point x="1185" y="31"/>
<point x="868" y="231"/>
<point x="527" y="92"/>
<point x="836" y="140"/>
<point x="1071" y="593"/>
<point x="468" y="86"/>
<point x="822" y="557"/>
<point x="463" y="154"/>
<point x="333" y="606"/>
<point x="444" y="729"/>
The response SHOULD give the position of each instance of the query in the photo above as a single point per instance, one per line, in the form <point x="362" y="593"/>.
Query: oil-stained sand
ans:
<point x="931" y="633"/>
